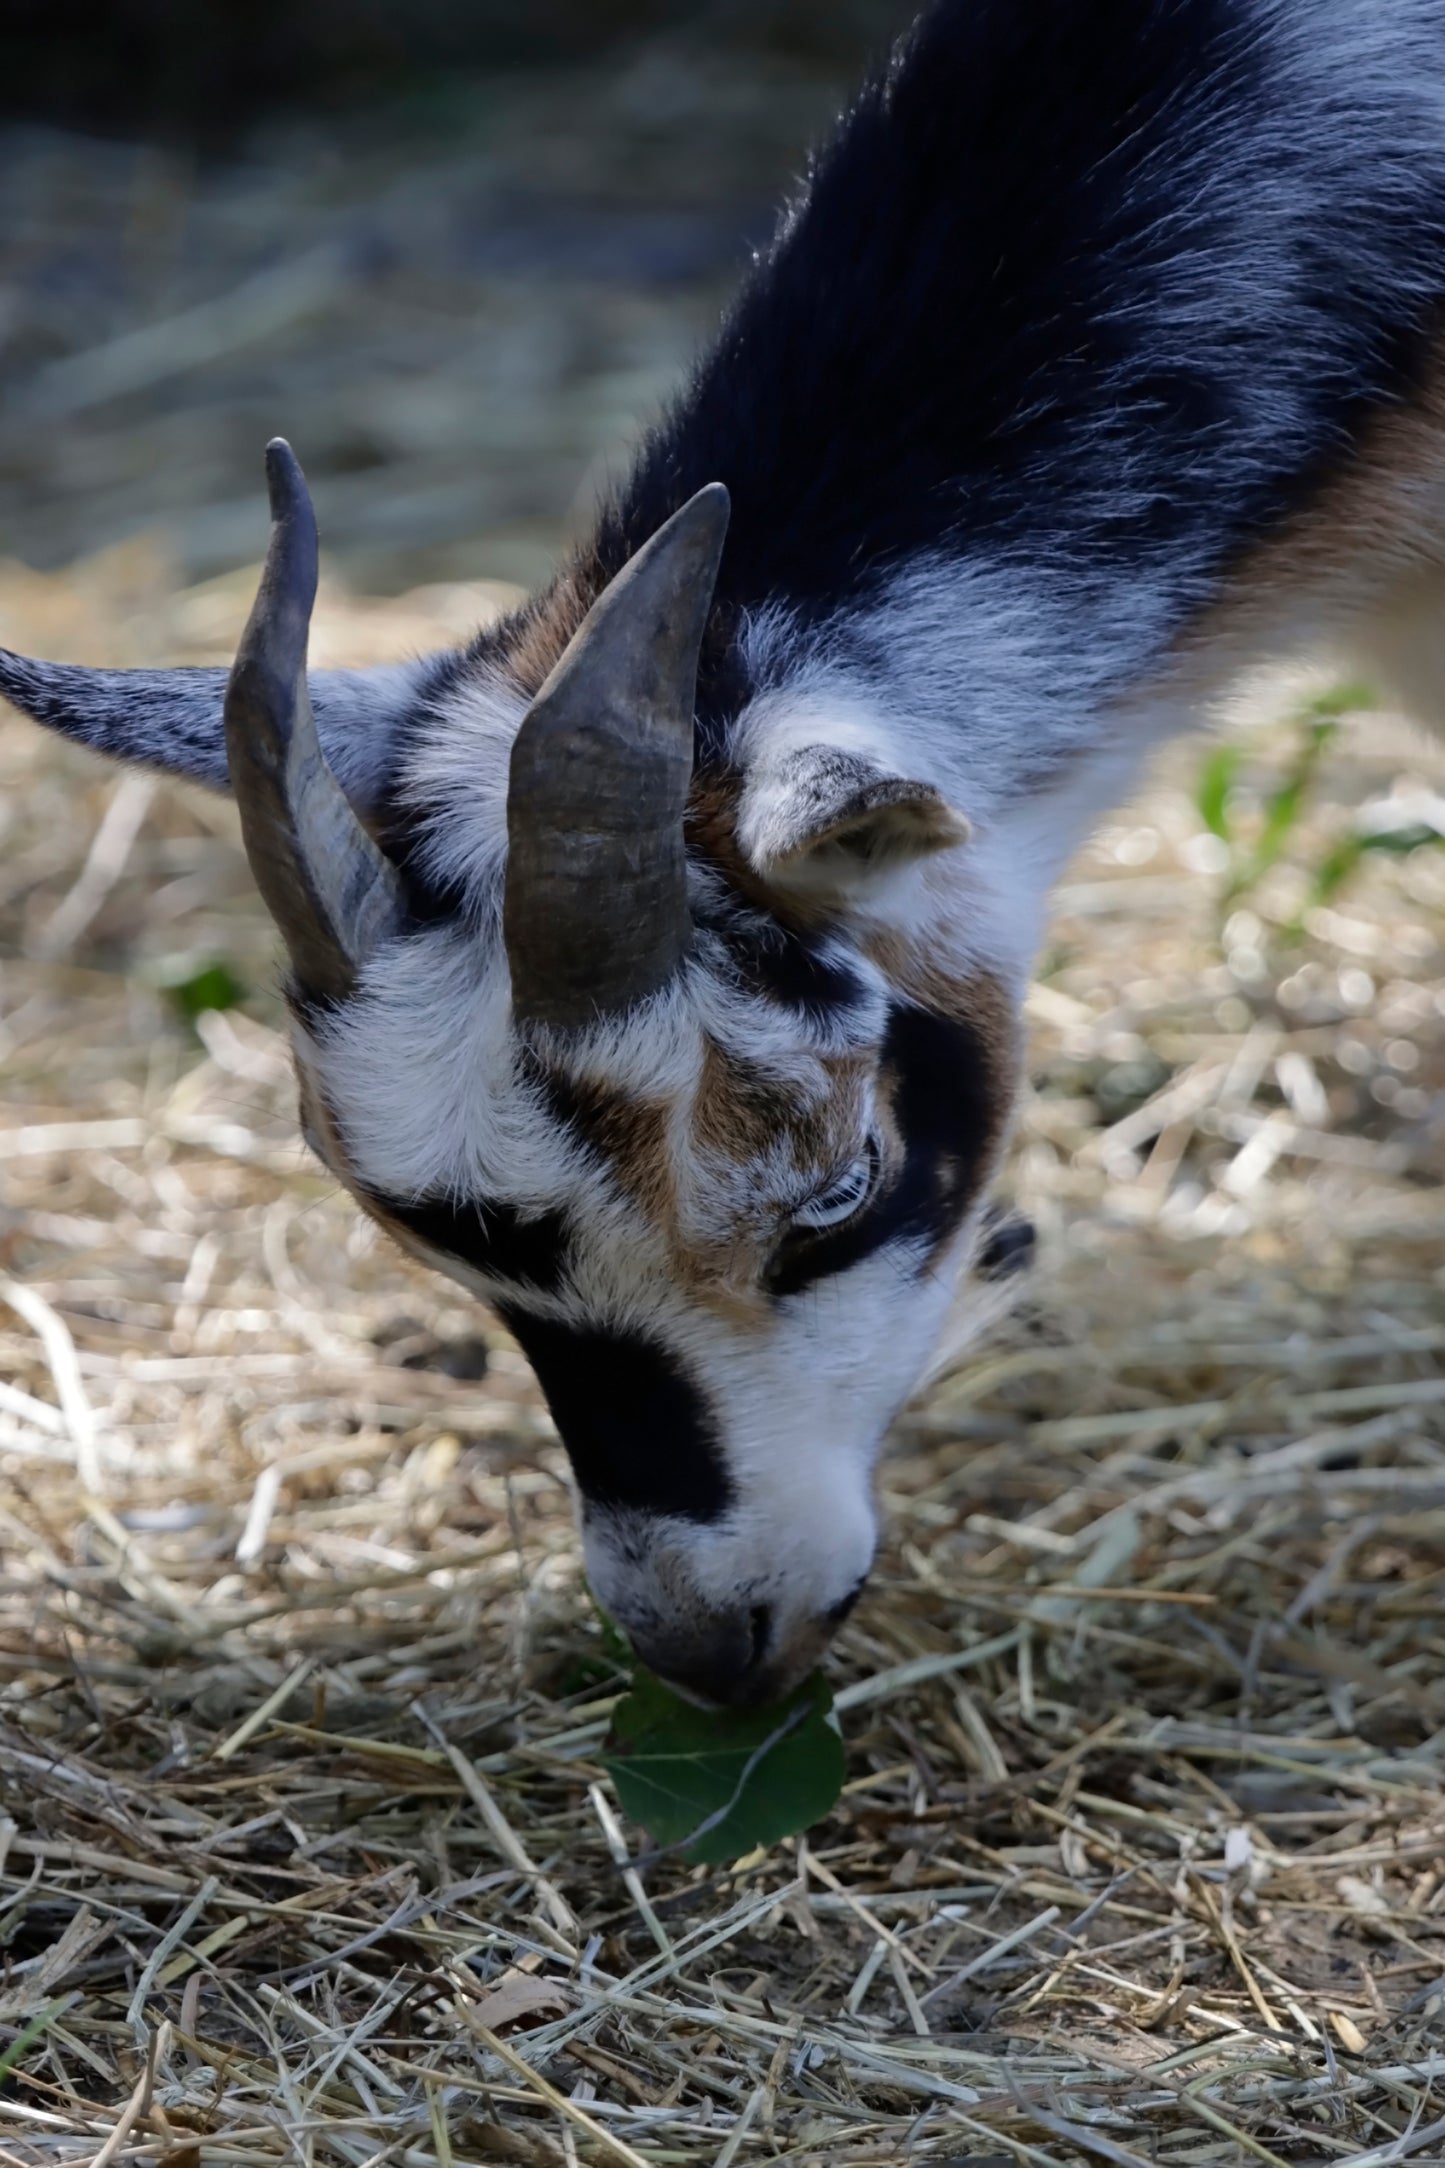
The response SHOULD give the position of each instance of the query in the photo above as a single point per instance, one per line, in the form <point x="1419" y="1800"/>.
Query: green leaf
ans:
<point x="1283" y="809"/>
<point x="1316" y="725"/>
<point x="1399" y="842"/>
<point x="717" y="1783"/>
<point x="214" y="986"/>
<point x="614" y="1641"/>
<point x="1342" y="861"/>
<point x="1216" y="778"/>
<point x="1336" y="867"/>
<point x="1281" y="815"/>
<point x="1349" y="698"/>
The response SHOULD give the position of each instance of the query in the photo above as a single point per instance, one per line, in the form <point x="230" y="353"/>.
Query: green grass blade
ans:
<point x="30" y="2033"/>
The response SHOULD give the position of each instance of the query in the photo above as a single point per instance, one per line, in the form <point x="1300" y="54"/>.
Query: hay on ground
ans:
<point x="305" y="1853"/>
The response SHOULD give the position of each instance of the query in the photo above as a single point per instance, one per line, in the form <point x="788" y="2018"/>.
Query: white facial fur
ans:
<point x="429" y="1092"/>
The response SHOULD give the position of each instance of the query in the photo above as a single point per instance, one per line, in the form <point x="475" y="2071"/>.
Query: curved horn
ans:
<point x="329" y="889"/>
<point x="596" y="910"/>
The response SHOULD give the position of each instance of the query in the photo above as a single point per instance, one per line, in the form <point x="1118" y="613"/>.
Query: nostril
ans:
<point x="722" y="1669"/>
<point x="1008" y="1247"/>
<point x="843" y="1610"/>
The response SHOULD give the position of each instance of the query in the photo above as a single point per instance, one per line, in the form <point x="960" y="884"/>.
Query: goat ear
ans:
<point x="828" y="821"/>
<point x="172" y="719"/>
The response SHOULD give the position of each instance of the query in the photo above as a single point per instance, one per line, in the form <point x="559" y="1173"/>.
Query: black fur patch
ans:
<point x="1009" y="311"/>
<point x="638" y="1432"/>
<point x="947" y="1118"/>
<point x="785" y="967"/>
<point x="494" y="1239"/>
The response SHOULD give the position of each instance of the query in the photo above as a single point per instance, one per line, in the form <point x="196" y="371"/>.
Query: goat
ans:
<point x="657" y="961"/>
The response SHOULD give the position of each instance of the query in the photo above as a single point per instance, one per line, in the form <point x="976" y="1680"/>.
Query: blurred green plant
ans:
<point x="31" y="2031"/>
<point x="1253" y="851"/>
<point x="212" y="985"/>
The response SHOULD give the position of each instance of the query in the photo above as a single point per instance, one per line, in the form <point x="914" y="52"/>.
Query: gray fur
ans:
<point x="171" y="719"/>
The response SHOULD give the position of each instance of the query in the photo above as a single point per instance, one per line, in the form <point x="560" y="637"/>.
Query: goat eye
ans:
<point x="843" y="1198"/>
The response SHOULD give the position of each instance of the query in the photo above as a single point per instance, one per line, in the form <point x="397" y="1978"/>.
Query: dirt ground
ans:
<point x="305" y="1856"/>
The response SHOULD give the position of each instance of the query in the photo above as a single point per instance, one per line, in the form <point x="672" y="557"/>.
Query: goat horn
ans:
<point x="596" y="913"/>
<point x="329" y="889"/>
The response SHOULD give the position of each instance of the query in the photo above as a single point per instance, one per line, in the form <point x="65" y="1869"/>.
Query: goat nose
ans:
<point x="724" y="1664"/>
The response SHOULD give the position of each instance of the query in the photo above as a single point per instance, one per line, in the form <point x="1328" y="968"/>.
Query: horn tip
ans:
<point x="714" y="503"/>
<point x="700" y="525"/>
<point x="286" y="487"/>
<point x="283" y="472"/>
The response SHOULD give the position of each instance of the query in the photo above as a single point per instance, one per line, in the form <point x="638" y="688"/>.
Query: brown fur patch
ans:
<point x="738" y="1111"/>
<point x="712" y="835"/>
<point x="741" y="1112"/>
<point x="545" y="627"/>
<point x="977" y="998"/>
<point x="1383" y="516"/>
<point x="712" y="818"/>
<point x="633" y="1137"/>
<point x="739" y="1115"/>
<point x="1350" y="571"/>
<point x="630" y="1134"/>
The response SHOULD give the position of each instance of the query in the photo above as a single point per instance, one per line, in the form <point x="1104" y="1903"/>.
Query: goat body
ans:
<point x="1098" y="360"/>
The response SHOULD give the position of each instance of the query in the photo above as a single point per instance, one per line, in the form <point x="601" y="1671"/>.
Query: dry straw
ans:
<point x="306" y="1856"/>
